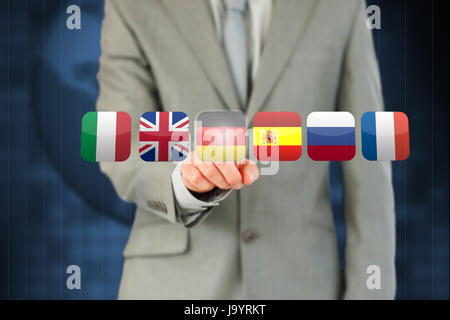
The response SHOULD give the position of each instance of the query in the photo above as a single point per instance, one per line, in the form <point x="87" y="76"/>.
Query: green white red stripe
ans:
<point x="105" y="136"/>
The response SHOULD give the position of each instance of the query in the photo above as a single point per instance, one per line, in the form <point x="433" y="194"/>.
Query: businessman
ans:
<point x="221" y="231"/>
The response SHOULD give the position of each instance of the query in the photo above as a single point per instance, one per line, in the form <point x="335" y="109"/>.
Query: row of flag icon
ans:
<point x="221" y="136"/>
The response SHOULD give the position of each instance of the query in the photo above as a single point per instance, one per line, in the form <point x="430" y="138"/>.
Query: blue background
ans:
<point x="56" y="210"/>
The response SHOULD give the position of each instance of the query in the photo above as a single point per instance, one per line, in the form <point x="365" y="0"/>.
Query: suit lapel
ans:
<point x="289" y="20"/>
<point x="195" y="22"/>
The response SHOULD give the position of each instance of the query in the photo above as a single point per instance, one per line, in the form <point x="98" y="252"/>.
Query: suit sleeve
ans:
<point x="126" y="84"/>
<point x="368" y="192"/>
<point x="193" y="207"/>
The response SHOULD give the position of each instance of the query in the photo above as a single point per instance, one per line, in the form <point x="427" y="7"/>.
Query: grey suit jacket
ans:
<point x="319" y="55"/>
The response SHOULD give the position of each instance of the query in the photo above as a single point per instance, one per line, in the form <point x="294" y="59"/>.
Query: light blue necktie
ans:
<point x="235" y="45"/>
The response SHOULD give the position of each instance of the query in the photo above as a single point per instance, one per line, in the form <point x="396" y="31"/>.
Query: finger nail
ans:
<point x="250" y="176"/>
<point x="239" y="185"/>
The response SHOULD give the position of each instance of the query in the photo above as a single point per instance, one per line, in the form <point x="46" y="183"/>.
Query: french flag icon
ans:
<point x="385" y="136"/>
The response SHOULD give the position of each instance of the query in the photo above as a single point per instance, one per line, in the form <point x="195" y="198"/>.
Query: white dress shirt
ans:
<point x="258" y="18"/>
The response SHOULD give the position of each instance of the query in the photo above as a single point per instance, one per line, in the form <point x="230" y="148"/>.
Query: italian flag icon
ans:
<point x="105" y="136"/>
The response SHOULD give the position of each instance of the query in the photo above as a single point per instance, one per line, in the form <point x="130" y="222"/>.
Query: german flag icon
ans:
<point x="220" y="136"/>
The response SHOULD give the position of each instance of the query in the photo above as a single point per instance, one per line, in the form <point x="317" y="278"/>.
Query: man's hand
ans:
<point x="200" y="176"/>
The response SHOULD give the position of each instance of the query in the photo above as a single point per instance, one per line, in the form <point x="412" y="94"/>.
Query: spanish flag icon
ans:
<point x="220" y="136"/>
<point x="277" y="136"/>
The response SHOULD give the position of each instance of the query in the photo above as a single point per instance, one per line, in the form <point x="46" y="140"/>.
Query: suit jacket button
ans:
<point x="248" y="236"/>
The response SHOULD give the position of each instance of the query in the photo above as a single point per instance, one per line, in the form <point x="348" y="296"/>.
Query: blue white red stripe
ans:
<point x="385" y="136"/>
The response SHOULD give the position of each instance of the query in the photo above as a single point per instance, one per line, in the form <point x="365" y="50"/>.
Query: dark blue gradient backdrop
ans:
<point x="56" y="210"/>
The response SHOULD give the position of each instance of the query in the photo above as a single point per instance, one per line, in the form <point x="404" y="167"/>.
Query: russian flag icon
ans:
<point x="331" y="136"/>
<point x="385" y="136"/>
